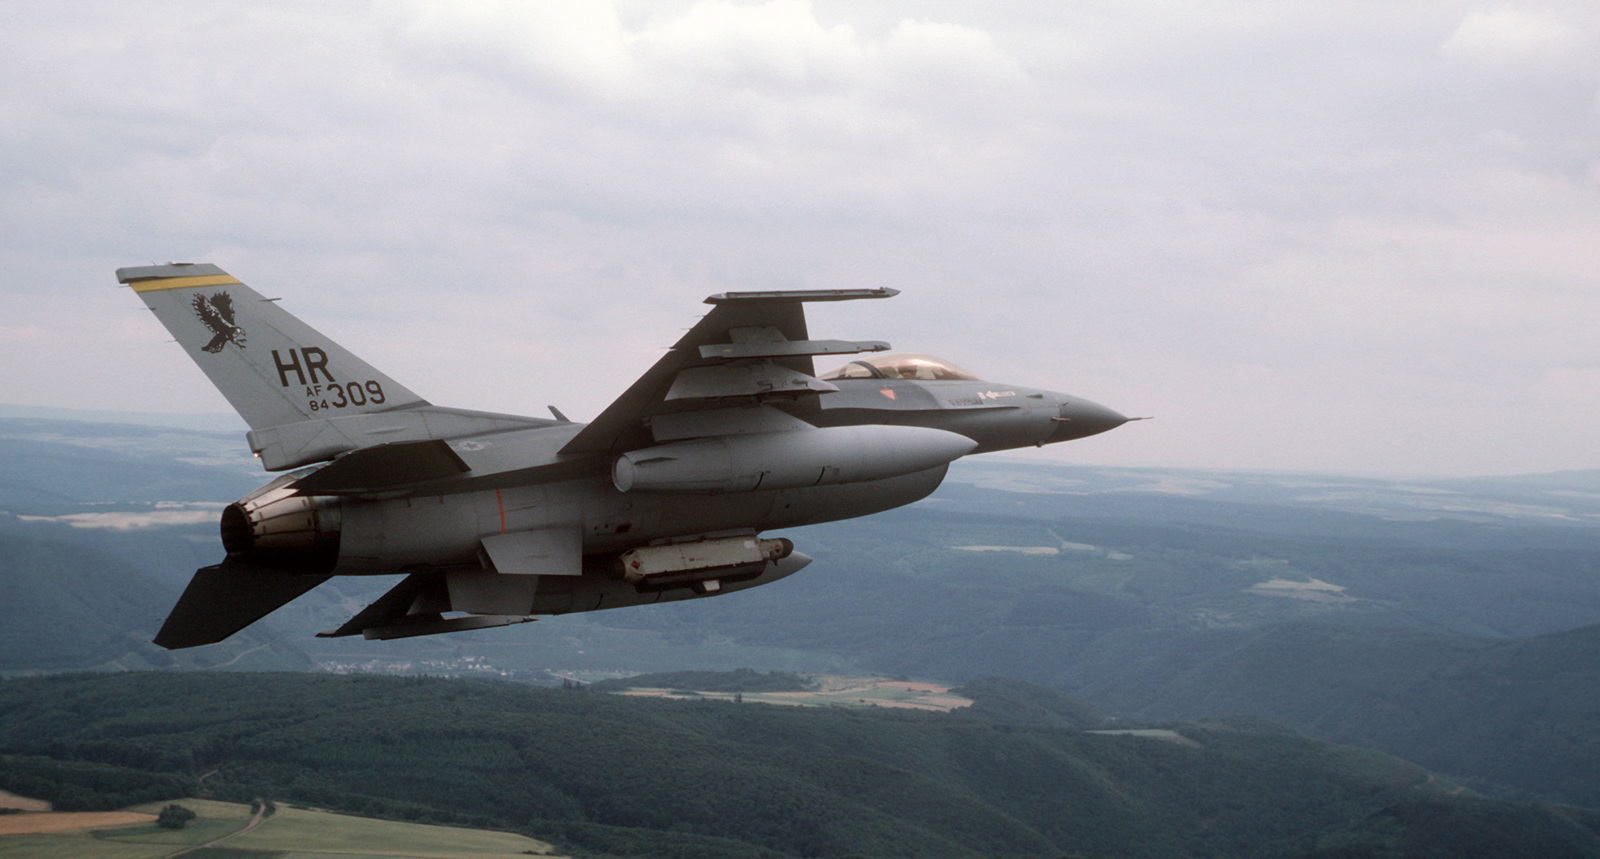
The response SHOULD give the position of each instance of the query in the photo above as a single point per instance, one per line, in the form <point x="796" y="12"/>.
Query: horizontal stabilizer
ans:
<point x="228" y="597"/>
<point x="383" y="467"/>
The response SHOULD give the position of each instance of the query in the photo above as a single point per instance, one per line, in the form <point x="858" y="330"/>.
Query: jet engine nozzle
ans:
<point x="275" y="527"/>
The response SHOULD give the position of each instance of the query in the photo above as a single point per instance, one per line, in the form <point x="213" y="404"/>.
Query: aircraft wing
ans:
<point x="751" y="345"/>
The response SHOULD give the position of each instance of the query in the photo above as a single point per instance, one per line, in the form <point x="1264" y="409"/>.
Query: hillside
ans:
<point x="287" y="831"/>
<point x="1448" y="622"/>
<point x="1452" y="642"/>
<point x="1513" y="717"/>
<point x="606" y="775"/>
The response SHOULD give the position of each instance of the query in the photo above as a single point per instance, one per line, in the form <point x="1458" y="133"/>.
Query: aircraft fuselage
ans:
<point x="500" y="518"/>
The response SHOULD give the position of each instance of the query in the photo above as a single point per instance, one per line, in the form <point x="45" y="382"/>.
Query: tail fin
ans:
<point x="273" y="368"/>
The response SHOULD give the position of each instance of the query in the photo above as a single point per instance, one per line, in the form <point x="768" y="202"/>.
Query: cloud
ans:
<point x="171" y="514"/>
<point x="1507" y="36"/>
<point x="1239" y="217"/>
<point x="740" y="102"/>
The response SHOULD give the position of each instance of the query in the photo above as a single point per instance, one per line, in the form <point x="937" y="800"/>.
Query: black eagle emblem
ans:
<point x="217" y="313"/>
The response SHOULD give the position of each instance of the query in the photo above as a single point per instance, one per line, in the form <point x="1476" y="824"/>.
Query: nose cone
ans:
<point x="1080" y="418"/>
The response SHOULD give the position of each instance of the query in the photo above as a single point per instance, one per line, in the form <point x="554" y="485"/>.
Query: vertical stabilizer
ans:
<point x="273" y="368"/>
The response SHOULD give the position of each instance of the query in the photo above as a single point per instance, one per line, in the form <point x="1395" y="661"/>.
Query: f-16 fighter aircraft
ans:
<point x="496" y="519"/>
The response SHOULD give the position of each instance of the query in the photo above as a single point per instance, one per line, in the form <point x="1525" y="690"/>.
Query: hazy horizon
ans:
<point x="228" y="422"/>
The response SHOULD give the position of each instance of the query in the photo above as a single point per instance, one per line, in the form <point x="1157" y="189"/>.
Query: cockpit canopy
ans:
<point x="901" y="365"/>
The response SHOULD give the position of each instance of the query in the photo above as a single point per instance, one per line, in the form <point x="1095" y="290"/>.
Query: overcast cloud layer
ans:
<point x="1333" y="236"/>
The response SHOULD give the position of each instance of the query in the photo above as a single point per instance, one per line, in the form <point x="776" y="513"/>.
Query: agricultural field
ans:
<point x="304" y="833"/>
<point x="832" y="690"/>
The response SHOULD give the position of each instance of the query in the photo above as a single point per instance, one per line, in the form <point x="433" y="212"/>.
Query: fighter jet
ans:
<point x="497" y="519"/>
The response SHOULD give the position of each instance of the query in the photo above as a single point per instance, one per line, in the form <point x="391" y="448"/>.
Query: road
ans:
<point x="260" y="815"/>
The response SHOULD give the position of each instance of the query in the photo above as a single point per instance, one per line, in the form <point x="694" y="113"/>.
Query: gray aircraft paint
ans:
<point x="500" y="518"/>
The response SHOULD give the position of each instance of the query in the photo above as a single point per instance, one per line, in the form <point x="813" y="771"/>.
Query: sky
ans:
<point x="1349" y="237"/>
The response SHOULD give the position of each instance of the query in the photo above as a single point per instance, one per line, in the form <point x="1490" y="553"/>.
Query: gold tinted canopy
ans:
<point x="901" y="365"/>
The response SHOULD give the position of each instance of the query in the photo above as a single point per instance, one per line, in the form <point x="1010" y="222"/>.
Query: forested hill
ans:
<point x="1452" y="623"/>
<point x="607" y="775"/>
